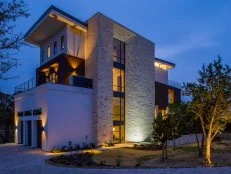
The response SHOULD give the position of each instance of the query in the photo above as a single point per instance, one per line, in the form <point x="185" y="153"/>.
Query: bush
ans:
<point x="152" y="146"/>
<point x="83" y="159"/>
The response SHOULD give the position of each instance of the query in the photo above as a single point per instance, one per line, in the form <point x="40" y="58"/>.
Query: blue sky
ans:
<point x="188" y="33"/>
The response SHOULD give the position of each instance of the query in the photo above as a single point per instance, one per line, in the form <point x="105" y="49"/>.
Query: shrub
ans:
<point x="102" y="163"/>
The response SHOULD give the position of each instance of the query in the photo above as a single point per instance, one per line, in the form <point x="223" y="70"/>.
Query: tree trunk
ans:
<point x="166" y="149"/>
<point x="198" y="144"/>
<point x="174" y="144"/>
<point x="208" y="161"/>
<point x="163" y="149"/>
<point x="202" y="146"/>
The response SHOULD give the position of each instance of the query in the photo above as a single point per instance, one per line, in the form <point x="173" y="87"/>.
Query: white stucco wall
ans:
<point x="66" y="113"/>
<point x="50" y="42"/>
<point x="69" y="115"/>
<point x="161" y="75"/>
<point x="75" y="42"/>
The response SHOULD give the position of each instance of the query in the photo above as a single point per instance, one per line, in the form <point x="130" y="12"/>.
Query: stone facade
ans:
<point x="99" y="67"/>
<point x="139" y="79"/>
<point x="139" y="89"/>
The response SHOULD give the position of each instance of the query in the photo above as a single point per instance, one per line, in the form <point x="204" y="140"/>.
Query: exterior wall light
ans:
<point x="42" y="128"/>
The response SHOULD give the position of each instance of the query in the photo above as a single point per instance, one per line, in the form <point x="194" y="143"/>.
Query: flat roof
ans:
<point x="164" y="64"/>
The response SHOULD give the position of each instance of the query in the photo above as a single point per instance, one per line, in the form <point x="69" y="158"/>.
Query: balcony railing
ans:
<point x="73" y="81"/>
<point x="174" y="84"/>
<point x="25" y="86"/>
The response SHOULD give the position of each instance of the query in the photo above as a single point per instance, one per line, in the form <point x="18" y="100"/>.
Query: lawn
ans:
<point x="129" y="157"/>
<point x="183" y="156"/>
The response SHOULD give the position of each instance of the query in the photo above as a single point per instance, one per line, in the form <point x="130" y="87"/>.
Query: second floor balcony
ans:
<point x="77" y="81"/>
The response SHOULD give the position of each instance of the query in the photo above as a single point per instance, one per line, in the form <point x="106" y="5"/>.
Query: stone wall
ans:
<point x="99" y="67"/>
<point x="185" y="139"/>
<point x="139" y="89"/>
<point x="139" y="79"/>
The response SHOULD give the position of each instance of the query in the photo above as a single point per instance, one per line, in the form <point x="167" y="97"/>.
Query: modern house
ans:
<point x="98" y="82"/>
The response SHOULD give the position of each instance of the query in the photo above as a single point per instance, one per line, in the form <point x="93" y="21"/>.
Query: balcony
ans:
<point x="174" y="84"/>
<point x="25" y="86"/>
<point x="77" y="81"/>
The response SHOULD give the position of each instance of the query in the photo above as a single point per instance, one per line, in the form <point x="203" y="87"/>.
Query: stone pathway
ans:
<point x="20" y="159"/>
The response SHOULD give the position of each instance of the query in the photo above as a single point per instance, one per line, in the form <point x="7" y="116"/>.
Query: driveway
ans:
<point x="20" y="159"/>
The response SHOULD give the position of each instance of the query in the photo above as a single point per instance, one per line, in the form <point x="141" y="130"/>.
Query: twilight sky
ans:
<point x="187" y="33"/>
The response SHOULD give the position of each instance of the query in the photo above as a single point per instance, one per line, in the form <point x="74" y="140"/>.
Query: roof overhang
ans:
<point x="163" y="64"/>
<point x="49" y="23"/>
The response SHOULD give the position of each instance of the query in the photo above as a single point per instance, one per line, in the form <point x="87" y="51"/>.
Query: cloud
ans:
<point x="193" y="41"/>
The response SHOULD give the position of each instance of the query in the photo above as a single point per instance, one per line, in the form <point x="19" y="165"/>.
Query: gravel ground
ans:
<point x="20" y="159"/>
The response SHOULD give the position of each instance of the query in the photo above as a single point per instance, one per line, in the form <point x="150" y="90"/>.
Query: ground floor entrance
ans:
<point x="118" y="120"/>
<point x="30" y="133"/>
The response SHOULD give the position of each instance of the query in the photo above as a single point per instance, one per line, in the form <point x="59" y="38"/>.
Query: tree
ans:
<point x="6" y="113"/>
<point x="175" y="116"/>
<point x="211" y="101"/>
<point x="192" y="125"/>
<point x="162" y="133"/>
<point x="10" y="42"/>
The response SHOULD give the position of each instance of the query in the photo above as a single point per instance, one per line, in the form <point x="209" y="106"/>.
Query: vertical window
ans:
<point x="118" y="112"/>
<point x="55" y="48"/>
<point x="62" y="42"/>
<point x="118" y="80"/>
<point x="118" y="51"/>
<point x="49" y="51"/>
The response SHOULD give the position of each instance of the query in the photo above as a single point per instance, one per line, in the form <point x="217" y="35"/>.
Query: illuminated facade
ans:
<point x="98" y="82"/>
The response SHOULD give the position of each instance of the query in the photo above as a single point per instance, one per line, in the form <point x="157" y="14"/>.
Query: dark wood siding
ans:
<point x="66" y="66"/>
<point x="161" y="95"/>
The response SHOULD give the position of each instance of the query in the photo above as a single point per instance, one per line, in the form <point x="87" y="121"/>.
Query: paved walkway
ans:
<point x="20" y="159"/>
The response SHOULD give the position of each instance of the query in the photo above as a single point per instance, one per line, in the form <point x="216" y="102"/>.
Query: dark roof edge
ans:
<point x="52" y="7"/>
<point x="164" y="61"/>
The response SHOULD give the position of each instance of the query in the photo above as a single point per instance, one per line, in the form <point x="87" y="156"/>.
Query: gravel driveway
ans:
<point x="20" y="159"/>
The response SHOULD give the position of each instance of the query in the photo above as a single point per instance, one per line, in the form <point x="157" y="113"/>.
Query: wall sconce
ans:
<point x="42" y="128"/>
<point x="16" y="127"/>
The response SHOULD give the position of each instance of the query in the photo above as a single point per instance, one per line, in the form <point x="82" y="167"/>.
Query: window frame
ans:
<point x="55" y="47"/>
<point x="49" y="51"/>
<point x="62" y="45"/>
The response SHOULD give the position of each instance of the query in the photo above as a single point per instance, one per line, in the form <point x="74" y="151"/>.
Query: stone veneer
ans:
<point x="139" y="79"/>
<point x="139" y="89"/>
<point x="99" y="66"/>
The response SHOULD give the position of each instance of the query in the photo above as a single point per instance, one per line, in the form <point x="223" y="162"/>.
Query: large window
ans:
<point x="62" y="43"/>
<point x="118" y="80"/>
<point x="118" y="51"/>
<point x="118" y="112"/>
<point x="171" y="96"/>
<point x="48" y="51"/>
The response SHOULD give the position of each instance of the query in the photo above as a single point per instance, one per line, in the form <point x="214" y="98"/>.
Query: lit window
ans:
<point x="55" y="48"/>
<point x="49" y="52"/>
<point x="62" y="42"/>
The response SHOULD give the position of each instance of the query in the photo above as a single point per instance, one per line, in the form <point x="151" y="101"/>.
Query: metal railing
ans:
<point x="25" y="86"/>
<point x="174" y="84"/>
